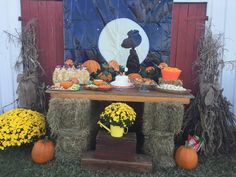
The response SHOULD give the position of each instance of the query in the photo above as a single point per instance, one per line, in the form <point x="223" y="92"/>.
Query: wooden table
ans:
<point x="126" y="95"/>
<point x="141" y="163"/>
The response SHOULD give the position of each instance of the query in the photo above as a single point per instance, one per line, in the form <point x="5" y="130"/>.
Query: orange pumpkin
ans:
<point x="114" y="64"/>
<point x="162" y="65"/>
<point x="105" y="77"/>
<point x="69" y="62"/>
<point x="134" y="76"/>
<point x="43" y="151"/>
<point x="92" y="66"/>
<point x="186" y="157"/>
<point x="66" y="84"/>
<point x="149" y="69"/>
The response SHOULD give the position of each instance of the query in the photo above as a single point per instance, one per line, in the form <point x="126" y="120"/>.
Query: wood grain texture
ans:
<point x="50" y="39"/>
<point x="141" y="163"/>
<point x="188" y="21"/>
<point x="110" y="148"/>
<point x="125" y="95"/>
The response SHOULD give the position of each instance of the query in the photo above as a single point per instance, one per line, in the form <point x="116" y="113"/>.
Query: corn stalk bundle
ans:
<point x="30" y="90"/>
<point x="209" y="115"/>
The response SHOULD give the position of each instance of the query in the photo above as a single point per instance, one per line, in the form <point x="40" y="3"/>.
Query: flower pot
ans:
<point x="117" y="131"/>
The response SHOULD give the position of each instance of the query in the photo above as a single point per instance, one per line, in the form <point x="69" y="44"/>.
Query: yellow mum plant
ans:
<point x="118" y="114"/>
<point x="20" y="126"/>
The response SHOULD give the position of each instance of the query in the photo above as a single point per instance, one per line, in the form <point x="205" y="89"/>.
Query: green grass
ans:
<point x="16" y="162"/>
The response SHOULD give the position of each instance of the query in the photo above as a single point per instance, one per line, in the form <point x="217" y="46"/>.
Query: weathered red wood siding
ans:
<point x="187" y="28"/>
<point x="49" y="16"/>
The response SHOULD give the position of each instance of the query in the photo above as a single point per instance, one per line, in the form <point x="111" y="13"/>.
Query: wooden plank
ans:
<point x="129" y="95"/>
<point x="25" y="11"/>
<point x="187" y="18"/>
<point x="141" y="163"/>
<point x="43" y="42"/>
<point x="174" y="34"/>
<point x="110" y="148"/>
<point x="51" y="49"/>
<point x="59" y="36"/>
<point x="189" y="53"/>
<point x="182" y="38"/>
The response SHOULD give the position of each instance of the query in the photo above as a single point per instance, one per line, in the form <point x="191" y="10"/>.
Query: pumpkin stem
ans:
<point x="186" y="144"/>
<point x="46" y="139"/>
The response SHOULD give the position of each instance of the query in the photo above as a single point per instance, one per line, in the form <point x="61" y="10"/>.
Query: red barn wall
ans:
<point x="50" y="40"/>
<point x="187" y="27"/>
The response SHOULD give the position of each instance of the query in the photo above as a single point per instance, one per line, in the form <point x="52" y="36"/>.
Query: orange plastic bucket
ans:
<point x="170" y="73"/>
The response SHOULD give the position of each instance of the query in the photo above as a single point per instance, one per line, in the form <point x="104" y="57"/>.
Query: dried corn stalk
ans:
<point x="209" y="114"/>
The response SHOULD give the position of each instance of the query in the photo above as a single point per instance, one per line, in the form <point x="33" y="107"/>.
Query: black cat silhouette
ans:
<point x="133" y="40"/>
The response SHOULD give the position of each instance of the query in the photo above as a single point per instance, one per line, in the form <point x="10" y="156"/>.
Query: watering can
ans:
<point x="115" y="131"/>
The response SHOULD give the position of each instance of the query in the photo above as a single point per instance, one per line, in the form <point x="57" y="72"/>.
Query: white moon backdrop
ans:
<point x="112" y="36"/>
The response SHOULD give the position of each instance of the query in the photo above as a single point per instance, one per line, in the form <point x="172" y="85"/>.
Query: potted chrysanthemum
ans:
<point x="20" y="126"/>
<point x="119" y="116"/>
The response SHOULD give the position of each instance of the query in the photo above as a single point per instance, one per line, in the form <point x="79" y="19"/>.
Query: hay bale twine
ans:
<point x="160" y="146"/>
<point x="166" y="117"/>
<point x="71" y="143"/>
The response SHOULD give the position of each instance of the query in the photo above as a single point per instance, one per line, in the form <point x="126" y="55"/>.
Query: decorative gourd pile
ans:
<point x="67" y="76"/>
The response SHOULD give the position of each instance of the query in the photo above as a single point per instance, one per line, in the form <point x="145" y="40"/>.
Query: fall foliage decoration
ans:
<point x="150" y="68"/>
<point x="105" y="76"/>
<point x="114" y="64"/>
<point x="43" y="151"/>
<point x="92" y="66"/>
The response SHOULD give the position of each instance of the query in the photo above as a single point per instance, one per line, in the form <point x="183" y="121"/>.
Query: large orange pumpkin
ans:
<point x="43" y="151"/>
<point x="92" y="66"/>
<point x="134" y="76"/>
<point x="114" y="64"/>
<point x="186" y="157"/>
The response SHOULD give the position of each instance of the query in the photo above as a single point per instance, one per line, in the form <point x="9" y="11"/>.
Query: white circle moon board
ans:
<point x="112" y="36"/>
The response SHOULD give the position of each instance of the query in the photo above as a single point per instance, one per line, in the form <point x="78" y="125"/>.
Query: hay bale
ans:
<point x="163" y="162"/>
<point x="71" y="143"/>
<point x="160" y="146"/>
<point x="71" y="113"/>
<point x="166" y="117"/>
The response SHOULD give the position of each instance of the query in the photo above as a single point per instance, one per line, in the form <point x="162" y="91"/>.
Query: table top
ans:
<point x="126" y="95"/>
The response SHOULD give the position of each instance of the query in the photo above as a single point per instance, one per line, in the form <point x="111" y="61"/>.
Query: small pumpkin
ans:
<point x="69" y="62"/>
<point x="105" y="77"/>
<point x="186" y="157"/>
<point x="92" y="66"/>
<point x="114" y="64"/>
<point x="162" y="65"/>
<point x="43" y="151"/>
<point x="66" y="84"/>
<point x="149" y="69"/>
<point x="134" y="76"/>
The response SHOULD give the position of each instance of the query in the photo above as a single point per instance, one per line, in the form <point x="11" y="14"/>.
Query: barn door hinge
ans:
<point x="205" y="18"/>
<point x="20" y="18"/>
